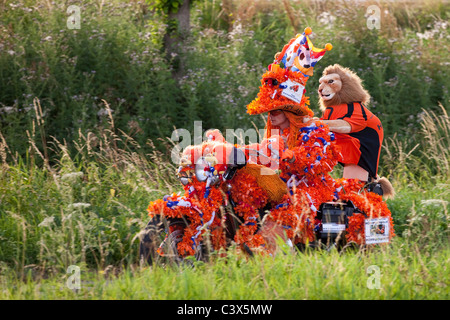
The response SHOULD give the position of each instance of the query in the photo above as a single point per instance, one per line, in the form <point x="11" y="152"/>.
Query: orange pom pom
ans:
<point x="308" y="31"/>
<point x="328" y="46"/>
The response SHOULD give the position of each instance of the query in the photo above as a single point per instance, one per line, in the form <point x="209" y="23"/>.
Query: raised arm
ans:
<point x="339" y="126"/>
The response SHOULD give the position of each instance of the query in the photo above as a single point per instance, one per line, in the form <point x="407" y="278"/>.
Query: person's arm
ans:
<point x="339" y="126"/>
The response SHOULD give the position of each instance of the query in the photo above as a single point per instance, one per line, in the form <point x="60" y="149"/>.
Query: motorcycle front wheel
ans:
<point x="158" y="244"/>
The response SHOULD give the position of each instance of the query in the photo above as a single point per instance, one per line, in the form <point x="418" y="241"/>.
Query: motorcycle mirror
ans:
<point x="236" y="158"/>
<point x="200" y="169"/>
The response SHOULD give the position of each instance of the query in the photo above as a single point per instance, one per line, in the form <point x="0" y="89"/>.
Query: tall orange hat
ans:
<point x="283" y="84"/>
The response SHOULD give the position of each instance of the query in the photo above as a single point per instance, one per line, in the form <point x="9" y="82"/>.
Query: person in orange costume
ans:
<point x="358" y="131"/>
<point x="282" y="96"/>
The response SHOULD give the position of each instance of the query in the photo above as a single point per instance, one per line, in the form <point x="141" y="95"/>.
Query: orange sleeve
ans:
<point x="353" y="113"/>
<point x="356" y="117"/>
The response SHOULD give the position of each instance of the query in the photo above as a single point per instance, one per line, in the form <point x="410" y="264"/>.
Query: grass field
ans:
<point x="402" y="270"/>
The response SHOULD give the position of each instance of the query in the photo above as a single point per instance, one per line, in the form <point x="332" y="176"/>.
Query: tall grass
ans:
<point x="404" y="272"/>
<point x="86" y="208"/>
<point x="419" y="169"/>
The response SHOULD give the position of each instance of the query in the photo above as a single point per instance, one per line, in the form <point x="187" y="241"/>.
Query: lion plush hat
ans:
<point x="341" y="86"/>
<point x="283" y="85"/>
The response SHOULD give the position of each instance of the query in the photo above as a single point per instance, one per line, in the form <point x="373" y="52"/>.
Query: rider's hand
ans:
<point x="308" y="119"/>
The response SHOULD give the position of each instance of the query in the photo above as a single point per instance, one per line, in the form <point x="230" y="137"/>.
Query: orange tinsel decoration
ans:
<point x="296" y="217"/>
<point x="204" y="213"/>
<point x="373" y="206"/>
<point x="248" y="198"/>
<point x="314" y="153"/>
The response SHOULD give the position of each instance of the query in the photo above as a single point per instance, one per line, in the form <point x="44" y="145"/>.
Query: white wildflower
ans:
<point x="7" y="110"/>
<point x="68" y="217"/>
<point x="72" y="176"/>
<point x="104" y="112"/>
<point x="79" y="205"/>
<point x="47" y="222"/>
<point x="326" y="19"/>
<point x="434" y="202"/>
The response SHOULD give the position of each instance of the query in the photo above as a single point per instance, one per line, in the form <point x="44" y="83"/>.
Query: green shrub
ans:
<point x="121" y="59"/>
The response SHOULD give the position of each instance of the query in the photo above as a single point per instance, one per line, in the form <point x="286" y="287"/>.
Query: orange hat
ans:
<point x="283" y="85"/>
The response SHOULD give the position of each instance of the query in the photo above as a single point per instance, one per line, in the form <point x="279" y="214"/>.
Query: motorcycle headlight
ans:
<point x="200" y="169"/>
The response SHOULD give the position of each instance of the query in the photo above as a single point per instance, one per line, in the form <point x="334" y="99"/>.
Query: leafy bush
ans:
<point x="118" y="56"/>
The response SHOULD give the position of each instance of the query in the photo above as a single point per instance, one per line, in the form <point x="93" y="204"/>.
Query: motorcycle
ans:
<point x="231" y="197"/>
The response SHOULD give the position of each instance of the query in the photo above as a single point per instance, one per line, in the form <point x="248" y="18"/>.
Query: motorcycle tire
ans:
<point x="156" y="236"/>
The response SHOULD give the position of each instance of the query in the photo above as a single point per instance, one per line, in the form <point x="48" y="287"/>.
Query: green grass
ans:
<point x="405" y="272"/>
<point x="82" y="209"/>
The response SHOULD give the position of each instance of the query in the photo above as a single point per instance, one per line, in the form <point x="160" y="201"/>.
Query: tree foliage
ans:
<point x="165" y="6"/>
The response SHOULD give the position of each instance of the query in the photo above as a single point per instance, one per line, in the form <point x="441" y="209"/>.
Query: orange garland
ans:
<point x="248" y="198"/>
<point x="315" y="152"/>
<point x="245" y="192"/>
<point x="373" y="206"/>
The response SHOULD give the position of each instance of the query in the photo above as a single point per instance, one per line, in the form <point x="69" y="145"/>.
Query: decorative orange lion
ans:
<point x="358" y="131"/>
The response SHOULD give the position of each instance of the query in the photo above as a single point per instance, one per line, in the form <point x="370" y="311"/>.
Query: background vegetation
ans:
<point x="85" y="115"/>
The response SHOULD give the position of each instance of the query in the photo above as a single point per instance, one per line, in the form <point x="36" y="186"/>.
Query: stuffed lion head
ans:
<point x="339" y="85"/>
